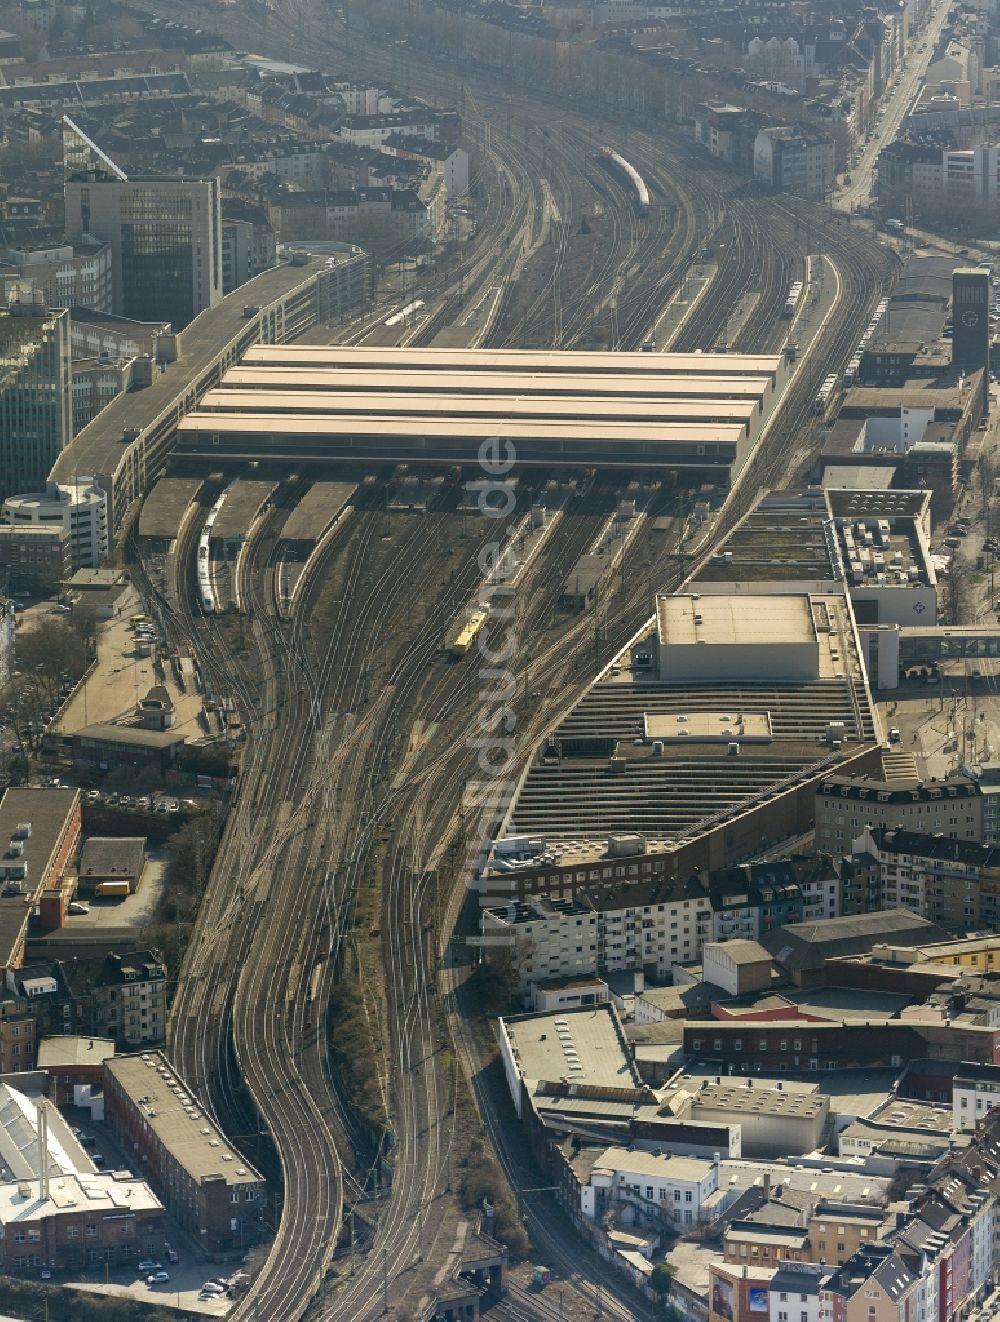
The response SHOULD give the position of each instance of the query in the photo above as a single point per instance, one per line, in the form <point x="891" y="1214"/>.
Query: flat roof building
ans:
<point x="212" y="1192"/>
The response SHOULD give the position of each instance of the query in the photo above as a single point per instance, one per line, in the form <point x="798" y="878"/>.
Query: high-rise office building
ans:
<point x="36" y="409"/>
<point x="164" y="232"/>
<point x="970" y="344"/>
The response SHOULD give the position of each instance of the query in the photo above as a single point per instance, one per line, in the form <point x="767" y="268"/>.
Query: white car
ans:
<point x="77" y="907"/>
<point x="157" y="1278"/>
<point x="148" y="1265"/>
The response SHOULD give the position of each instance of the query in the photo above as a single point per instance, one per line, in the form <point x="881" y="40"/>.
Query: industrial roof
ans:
<point x="164" y="1104"/>
<point x="113" y="856"/>
<point x="746" y="1096"/>
<point x="808" y="945"/>
<point x="55" y="1052"/>
<point x="47" y="811"/>
<point x="741" y="951"/>
<point x="581" y="1045"/>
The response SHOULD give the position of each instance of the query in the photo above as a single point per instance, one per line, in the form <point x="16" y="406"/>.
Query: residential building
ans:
<point x="845" y="805"/>
<point x="754" y="897"/>
<point x="989" y="788"/>
<point x="648" y="925"/>
<point x="794" y="163"/>
<point x="78" y="508"/>
<point x="68" y="275"/>
<point x="130" y="998"/>
<point x="952" y="882"/>
<point x="18" y="1036"/>
<point x="975" y="1092"/>
<point x="211" y="1191"/>
<point x="165" y="233"/>
<point x="36" y="415"/>
<point x="34" y="558"/>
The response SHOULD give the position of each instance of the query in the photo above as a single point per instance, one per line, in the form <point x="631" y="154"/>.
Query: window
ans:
<point x="649" y="1192"/>
<point x="687" y="1196"/>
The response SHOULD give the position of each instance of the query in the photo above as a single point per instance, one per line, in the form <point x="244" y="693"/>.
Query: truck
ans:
<point x="112" y="890"/>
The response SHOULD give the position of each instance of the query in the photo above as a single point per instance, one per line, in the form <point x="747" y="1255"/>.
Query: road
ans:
<point x="895" y="107"/>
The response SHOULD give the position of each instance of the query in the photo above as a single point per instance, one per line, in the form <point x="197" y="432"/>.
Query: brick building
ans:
<point x="211" y="1191"/>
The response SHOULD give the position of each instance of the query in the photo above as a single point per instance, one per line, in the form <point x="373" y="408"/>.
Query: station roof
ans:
<point x="523" y="383"/>
<point x="163" y="509"/>
<point x="316" y="511"/>
<point x="196" y="425"/>
<point x="524" y="360"/>
<point x="341" y="408"/>
<point x="240" y="508"/>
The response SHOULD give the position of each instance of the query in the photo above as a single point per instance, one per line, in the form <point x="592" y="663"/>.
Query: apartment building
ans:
<point x="952" y="882"/>
<point x="648" y="925"/>
<point x="794" y="163"/>
<point x="754" y="897"/>
<point x="69" y="275"/>
<point x="846" y="805"/>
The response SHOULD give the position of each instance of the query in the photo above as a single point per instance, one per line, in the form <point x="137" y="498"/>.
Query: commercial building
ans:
<point x="127" y="443"/>
<point x="68" y="275"/>
<point x="164" y="233"/>
<point x="110" y="746"/>
<point x="73" y="1063"/>
<point x="35" y="558"/>
<point x="78" y="509"/>
<point x="663" y="1189"/>
<point x="212" y="1192"/>
<point x="36" y="412"/>
<point x="696" y="413"/>
<point x="774" y="1121"/>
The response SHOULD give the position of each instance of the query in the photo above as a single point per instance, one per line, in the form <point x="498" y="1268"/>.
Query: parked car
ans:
<point x="77" y="907"/>
<point x="157" y="1278"/>
<point x="148" y="1265"/>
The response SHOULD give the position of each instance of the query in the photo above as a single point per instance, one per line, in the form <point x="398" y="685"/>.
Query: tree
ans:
<point x="661" y="1279"/>
<point x="51" y="653"/>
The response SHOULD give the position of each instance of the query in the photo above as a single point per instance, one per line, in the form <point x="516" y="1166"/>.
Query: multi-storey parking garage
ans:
<point x="691" y="412"/>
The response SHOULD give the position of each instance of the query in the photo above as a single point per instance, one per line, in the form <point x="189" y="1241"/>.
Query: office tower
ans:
<point x="36" y="413"/>
<point x="164" y="232"/>
<point x="970" y="344"/>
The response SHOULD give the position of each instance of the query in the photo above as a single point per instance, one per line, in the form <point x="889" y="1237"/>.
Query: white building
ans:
<point x="793" y="163"/>
<point x="641" y="1183"/>
<point x="661" y="925"/>
<point x="80" y="507"/>
<point x="975" y="1091"/>
<point x="69" y="276"/>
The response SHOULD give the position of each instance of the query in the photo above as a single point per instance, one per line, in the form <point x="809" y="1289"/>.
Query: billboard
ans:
<point x="757" y="1299"/>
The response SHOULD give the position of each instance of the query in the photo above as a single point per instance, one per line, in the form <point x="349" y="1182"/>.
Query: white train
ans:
<point x="206" y="592"/>
<point x="792" y="299"/>
<point x="630" y="174"/>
